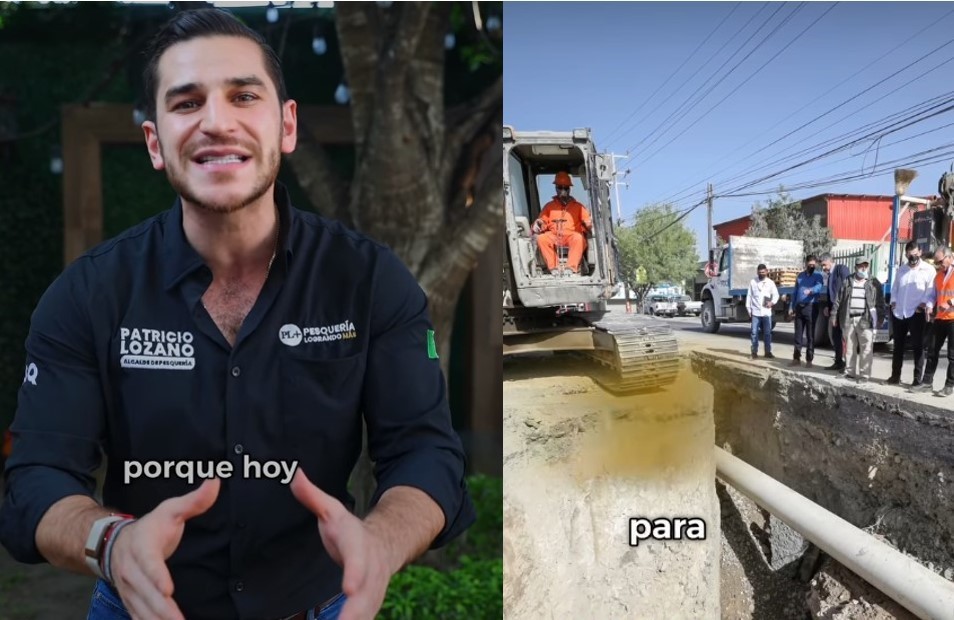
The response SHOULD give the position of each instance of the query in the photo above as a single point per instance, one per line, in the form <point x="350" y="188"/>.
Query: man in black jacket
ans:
<point x="837" y="274"/>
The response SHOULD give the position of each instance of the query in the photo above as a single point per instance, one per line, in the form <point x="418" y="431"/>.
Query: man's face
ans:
<point x="563" y="192"/>
<point x="862" y="267"/>
<point x="913" y="254"/>
<point x="810" y="265"/>
<point x="826" y="266"/>
<point x="941" y="261"/>
<point x="219" y="130"/>
<point x="763" y="273"/>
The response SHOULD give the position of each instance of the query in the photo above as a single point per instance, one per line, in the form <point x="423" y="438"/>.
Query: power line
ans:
<point x="933" y="23"/>
<point x="735" y="89"/>
<point x="704" y="65"/>
<point x="665" y="126"/>
<point x="671" y="75"/>
<point x="854" y="97"/>
<point x="897" y="118"/>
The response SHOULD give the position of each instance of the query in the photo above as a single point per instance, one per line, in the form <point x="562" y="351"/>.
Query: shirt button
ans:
<point x="239" y="586"/>
<point x="236" y="371"/>
<point x="239" y="449"/>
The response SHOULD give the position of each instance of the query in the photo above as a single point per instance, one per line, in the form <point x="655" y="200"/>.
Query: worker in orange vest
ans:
<point x="563" y="222"/>
<point x="943" y="328"/>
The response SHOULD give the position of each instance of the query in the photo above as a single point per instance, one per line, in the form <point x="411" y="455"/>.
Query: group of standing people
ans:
<point x="922" y="315"/>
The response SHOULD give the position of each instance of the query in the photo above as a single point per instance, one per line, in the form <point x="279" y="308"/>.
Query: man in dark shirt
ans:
<point x="837" y="275"/>
<point x="804" y="309"/>
<point x="222" y="355"/>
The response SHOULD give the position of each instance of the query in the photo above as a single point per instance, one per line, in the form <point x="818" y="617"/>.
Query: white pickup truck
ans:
<point x="685" y="306"/>
<point x="661" y="305"/>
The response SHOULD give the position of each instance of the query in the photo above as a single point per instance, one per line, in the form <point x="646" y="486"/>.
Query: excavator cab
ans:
<point x="559" y="310"/>
<point x="531" y="162"/>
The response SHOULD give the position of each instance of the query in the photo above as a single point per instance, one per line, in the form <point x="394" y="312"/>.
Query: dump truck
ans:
<point x="561" y="310"/>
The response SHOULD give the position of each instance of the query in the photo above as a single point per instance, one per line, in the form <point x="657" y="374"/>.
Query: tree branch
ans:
<point x="466" y="237"/>
<point x="358" y="39"/>
<point x="467" y="119"/>
<point x="403" y="45"/>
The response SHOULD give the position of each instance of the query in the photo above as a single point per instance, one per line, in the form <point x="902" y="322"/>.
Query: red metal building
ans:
<point x="849" y="216"/>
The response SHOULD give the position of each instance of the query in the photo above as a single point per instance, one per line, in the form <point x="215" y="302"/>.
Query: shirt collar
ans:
<point x="181" y="259"/>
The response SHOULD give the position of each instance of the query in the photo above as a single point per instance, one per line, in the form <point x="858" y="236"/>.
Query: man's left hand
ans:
<point x="367" y="560"/>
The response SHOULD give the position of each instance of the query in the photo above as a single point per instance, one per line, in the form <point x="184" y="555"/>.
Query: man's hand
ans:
<point x="827" y="313"/>
<point x="791" y="314"/>
<point x="538" y="226"/>
<point x="138" y="557"/>
<point x="368" y="561"/>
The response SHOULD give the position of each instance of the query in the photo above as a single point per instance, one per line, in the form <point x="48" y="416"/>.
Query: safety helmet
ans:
<point x="563" y="178"/>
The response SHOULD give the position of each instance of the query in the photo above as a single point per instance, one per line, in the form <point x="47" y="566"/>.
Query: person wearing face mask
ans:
<point x="808" y="286"/>
<point x="943" y="324"/>
<point x="856" y="310"/>
<point x="837" y="275"/>
<point x="912" y="299"/>
<point x="563" y="222"/>
<point x="762" y="296"/>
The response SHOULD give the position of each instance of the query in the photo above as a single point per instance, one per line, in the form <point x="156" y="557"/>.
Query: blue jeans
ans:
<point x="106" y="605"/>
<point x="765" y="322"/>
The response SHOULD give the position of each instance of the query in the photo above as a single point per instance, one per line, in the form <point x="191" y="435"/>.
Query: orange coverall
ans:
<point x="577" y="222"/>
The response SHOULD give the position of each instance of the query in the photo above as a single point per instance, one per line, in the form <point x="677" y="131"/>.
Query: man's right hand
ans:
<point x="138" y="556"/>
<point x="827" y="313"/>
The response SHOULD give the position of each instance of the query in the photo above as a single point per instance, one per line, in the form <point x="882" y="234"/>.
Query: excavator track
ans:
<point x="646" y="356"/>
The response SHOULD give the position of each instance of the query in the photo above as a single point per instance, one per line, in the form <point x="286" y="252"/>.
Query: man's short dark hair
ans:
<point x="810" y="258"/>
<point x="188" y="25"/>
<point x="910" y="245"/>
<point x="761" y="267"/>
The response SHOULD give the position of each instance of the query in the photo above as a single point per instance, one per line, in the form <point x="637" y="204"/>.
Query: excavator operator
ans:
<point x="563" y="222"/>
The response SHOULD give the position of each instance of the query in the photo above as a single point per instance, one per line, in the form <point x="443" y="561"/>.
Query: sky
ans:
<point x="731" y="93"/>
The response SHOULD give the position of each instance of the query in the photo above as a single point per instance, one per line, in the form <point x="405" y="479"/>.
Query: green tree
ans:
<point x="782" y="218"/>
<point x="656" y="248"/>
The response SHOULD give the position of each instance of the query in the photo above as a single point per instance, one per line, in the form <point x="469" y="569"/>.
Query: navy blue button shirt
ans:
<point x="127" y="358"/>
<point x="814" y="281"/>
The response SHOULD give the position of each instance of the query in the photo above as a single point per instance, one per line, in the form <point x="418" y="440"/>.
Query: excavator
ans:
<point x="565" y="309"/>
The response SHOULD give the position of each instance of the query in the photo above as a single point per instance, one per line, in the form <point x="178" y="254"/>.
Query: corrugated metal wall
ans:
<point x="866" y="218"/>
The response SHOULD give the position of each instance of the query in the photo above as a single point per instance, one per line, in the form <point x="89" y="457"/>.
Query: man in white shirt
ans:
<point x="912" y="299"/>
<point x="762" y="296"/>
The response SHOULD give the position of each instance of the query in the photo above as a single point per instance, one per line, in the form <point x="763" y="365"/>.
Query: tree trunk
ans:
<point x="427" y="180"/>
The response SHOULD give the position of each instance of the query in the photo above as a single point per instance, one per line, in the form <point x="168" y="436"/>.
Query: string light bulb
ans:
<point x="450" y="40"/>
<point x="271" y="14"/>
<point x="342" y="94"/>
<point x="56" y="161"/>
<point x="493" y="24"/>
<point x="318" y="45"/>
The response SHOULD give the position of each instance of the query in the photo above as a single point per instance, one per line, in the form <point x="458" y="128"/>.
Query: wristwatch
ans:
<point x="96" y="541"/>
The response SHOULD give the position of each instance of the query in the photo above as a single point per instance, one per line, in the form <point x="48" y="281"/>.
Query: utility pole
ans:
<point x="709" y="219"/>
<point x="616" y="184"/>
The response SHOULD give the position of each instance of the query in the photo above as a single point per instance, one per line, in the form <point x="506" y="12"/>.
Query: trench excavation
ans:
<point x="581" y="463"/>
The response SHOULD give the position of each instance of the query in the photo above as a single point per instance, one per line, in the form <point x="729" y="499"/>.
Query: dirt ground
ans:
<point x="579" y="464"/>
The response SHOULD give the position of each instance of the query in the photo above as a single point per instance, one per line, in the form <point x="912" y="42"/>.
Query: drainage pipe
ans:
<point x="921" y="591"/>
